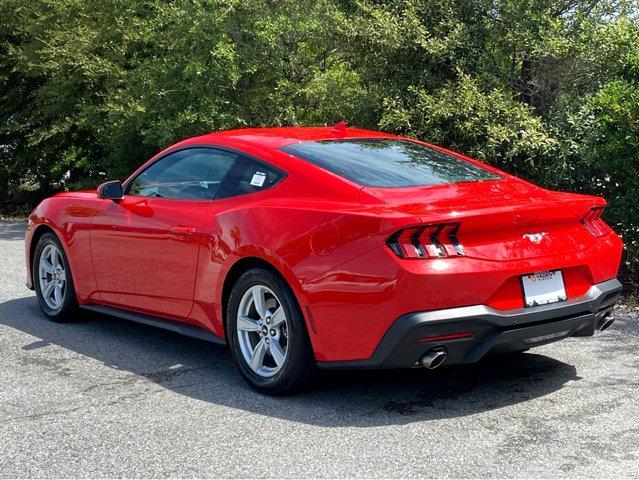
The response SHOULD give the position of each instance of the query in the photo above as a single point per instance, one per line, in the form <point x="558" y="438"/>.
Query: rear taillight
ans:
<point x="430" y="241"/>
<point x="594" y="223"/>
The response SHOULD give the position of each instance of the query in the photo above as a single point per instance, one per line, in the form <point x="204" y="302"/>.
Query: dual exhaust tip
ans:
<point x="433" y="358"/>
<point x="437" y="356"/>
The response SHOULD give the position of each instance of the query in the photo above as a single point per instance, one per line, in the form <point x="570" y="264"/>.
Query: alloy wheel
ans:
<point x="52" y="277"/>
<point x="262" y="331"/>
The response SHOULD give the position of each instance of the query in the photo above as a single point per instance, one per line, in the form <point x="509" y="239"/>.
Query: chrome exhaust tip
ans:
<point x="605" y="322"/>
<point x="433" y="358"/>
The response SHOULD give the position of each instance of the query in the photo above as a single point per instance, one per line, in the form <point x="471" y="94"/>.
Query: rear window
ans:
<point x="388" y="162"/>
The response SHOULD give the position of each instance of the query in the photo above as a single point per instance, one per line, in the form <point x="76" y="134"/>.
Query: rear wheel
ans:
<point x="52" y="280"/>
<point x="267" y="335"/>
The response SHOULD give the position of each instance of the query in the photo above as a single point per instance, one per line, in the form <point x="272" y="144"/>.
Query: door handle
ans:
<point x="179" y="230"/>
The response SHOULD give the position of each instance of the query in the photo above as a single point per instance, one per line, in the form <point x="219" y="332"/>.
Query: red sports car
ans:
<point x="332" y="247"/>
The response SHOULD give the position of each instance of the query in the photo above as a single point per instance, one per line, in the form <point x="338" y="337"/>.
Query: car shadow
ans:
<point x="12" y="230"/>
<point x="206" y="372"/>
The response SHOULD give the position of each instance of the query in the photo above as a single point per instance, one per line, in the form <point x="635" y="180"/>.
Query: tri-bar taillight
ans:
<point x="594" y="223"/>
<point x="429" y="241"/>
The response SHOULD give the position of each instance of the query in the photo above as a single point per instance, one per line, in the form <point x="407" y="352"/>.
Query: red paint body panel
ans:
<point x="138" y="262"/>
<point x="69" y="216"/>
<point x="327" y="238"/>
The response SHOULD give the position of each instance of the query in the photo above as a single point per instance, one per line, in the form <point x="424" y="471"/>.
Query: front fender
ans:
<point x="69" y="218"/>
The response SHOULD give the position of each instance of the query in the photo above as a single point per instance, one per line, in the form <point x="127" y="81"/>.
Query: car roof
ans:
<point x="280" y="136"/>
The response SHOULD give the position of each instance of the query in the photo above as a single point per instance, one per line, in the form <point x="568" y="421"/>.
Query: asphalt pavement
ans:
<point x="101" y="397"/>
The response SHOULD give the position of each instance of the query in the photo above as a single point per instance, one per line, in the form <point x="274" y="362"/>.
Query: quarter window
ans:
<point x="248" y="176"/>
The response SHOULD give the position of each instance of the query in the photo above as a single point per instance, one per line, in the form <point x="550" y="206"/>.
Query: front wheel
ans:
<point x="52" y="280"/>
<point x="267" y="335"/>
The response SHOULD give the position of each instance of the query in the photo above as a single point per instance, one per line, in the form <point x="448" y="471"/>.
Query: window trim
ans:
<point x="153" y="160"/>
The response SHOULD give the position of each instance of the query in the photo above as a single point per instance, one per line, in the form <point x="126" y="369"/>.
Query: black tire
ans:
<point x="68" y="308"/>
<point x="299" y="366"/>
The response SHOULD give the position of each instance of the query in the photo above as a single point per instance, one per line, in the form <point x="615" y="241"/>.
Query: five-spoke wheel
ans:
<point x="52" y="279"/>
<point x="52" y="276"/>
<point x="262" y="330"/>
<point x="267" y="334"/>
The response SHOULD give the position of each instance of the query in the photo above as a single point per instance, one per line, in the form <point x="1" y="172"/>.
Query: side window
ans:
<point x="248" y="176"/>
<point x="189" y="174"/>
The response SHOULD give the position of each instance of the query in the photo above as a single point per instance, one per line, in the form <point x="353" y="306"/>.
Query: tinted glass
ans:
<point x="248" y="176"/>
<point x="388" y="162"/>
<point x="190" y="174"/>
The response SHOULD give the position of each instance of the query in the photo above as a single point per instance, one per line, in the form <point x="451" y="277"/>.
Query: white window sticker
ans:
<point x="258" y="179"/>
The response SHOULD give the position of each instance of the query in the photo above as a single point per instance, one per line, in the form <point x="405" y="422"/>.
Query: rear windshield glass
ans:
<point x="388" y="162"/>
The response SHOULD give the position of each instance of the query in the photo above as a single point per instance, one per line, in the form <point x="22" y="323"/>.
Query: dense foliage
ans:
<point x="545" y="89"/>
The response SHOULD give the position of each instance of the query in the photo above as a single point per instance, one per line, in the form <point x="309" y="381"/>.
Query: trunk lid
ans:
<point x="499" y="220"/>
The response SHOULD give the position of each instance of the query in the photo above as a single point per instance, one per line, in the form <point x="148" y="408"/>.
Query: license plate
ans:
<point x="542" y="288"/>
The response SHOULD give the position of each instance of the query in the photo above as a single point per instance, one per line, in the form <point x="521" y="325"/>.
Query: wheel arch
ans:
<point x="247" y="263"/>
<point x="39" y="230"/>
<point x="37" y="234"/>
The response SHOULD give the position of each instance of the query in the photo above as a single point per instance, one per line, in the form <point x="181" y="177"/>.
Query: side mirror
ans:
<point x="111" y="190"/>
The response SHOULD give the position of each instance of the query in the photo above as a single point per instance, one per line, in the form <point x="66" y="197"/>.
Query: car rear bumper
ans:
<point x="482" y="330"/>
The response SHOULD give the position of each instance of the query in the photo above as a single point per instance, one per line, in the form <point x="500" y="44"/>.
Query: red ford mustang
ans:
<point x="330" y="247"/>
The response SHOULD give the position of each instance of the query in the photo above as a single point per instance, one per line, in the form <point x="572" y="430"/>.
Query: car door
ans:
<point x="145" y="247"/>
